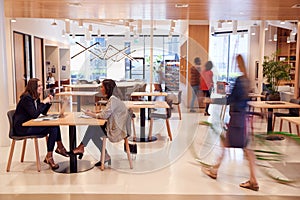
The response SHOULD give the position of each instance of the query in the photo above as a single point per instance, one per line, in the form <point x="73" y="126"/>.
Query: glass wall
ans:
<point x="223" y="50"/>
<point x="116" y="56"/>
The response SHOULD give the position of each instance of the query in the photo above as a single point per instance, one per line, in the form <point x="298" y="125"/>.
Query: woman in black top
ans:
<point x="236" y="136"/>
<point x="30" y="107"/>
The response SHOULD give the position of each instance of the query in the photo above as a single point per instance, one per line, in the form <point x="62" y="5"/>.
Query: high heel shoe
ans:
<point x="62" y="151"/>
<point x="206" y="114"/>
<point x="78" y="152"/>
<point x="51" y="163"/>
<point x="98" y="164"/>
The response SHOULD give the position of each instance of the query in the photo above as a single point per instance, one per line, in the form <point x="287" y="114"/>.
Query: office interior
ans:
<point x="191" y="34"/>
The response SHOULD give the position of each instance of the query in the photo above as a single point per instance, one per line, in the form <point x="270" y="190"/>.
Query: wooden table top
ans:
<point x="272" y="104"/>
<point x="77" y="93"/>
<point x="253" y="95"/>
<point x="146" y="104"/>
<point x="83" y="85"/>
<point x="149" y="94"/>
<point x="69" y="119"/>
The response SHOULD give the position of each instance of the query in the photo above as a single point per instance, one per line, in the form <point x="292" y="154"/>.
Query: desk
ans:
<point x="83" y="86"/>
<point x="142" y="105"/>
<point x="270" y="107"/>
<point x="255" y="95"/>
<point x="70" y="119"/>
<point x="78" y="94"/>
<point x="150" y="95"/>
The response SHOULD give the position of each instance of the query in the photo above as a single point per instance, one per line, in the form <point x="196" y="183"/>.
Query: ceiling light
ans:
<point x="67" y="25"/>
<point x="282" y="22"/>
<point x="181" y="5"/>
<point x="75" y="4"/>
<point x="13" y="20"/>
<point x="54" y="23"/>
<point x="90" y="28"/>
<point x="80" y="23"/>
<point x="296" y="6"/>
<point x="99" y="33"/>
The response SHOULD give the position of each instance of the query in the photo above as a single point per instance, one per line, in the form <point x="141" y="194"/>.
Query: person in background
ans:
<point x="51" y="83"/>
<point x="236" y="135"/>
<point x="118" y="121"/>
<point x="195" y="82"/>
<point x="30" y="107"/>
<point x="206" y="83"/>
<point x="50" y="80"/>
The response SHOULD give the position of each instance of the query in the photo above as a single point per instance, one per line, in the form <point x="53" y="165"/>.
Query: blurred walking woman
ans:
<point x="237" y="136"/>
<point x="30" y="107"/>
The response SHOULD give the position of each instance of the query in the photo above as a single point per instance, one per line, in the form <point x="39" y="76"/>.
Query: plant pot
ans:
<point x="273" y="97"/>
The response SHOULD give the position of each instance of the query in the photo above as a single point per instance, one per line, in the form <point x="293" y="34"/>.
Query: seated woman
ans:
<point x="30" y="107"/>
<point x="118" y="121"/>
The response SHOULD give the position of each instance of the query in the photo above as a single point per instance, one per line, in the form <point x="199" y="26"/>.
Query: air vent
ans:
<point x="296" y="6"/>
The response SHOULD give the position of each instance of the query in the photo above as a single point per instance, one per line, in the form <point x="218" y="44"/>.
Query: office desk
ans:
<point x="79" y="94"/>
<point x="70" y="119"/>
<point x="142" y="105"/>
<point x="270" y="106"/>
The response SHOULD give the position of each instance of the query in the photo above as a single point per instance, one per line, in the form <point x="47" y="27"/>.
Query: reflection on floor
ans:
<point x="162" y="169"/>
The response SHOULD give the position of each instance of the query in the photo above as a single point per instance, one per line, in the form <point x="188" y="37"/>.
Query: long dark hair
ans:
<point x="31" y="88"/>
<point x="111" y="88"/>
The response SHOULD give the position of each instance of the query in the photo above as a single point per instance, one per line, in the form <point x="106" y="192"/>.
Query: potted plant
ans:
<point x="275" y="71"/>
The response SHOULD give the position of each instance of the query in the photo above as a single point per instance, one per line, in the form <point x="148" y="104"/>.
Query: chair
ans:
<point x="24" y="139"/>
<point x="293" y="112"/>
<point x="127" y="151"/>
<point x="165" y="116"/>
<point x="178" y="102"/>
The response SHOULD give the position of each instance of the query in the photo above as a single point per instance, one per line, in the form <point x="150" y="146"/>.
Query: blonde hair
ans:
<point x="241" y="64"/>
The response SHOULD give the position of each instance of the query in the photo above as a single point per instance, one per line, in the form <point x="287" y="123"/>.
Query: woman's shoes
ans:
<point x="51" y="163"/>
<point x="98" y="164"/>
<point x="209" y="172"/>
<point x="62" y="151"/>
<point x="79" y="152"/>
<point x="249" y="185"/>
<point x="206" y="114"/>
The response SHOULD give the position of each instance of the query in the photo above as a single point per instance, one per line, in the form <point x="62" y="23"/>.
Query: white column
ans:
<point x="262" y="36"/>
<point x="4" y="105"/>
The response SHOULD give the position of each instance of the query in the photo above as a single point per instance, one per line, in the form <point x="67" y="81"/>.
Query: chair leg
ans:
<point x="179" y="111"/>
<point x="133" y="127"/>
<point x="103" y="153"/>
<point x="11" y="152"/>
<point x="150" y="129"/>
<point x="297" y="126"/>
<point x="281" y="121"/>
<point x="290" y="127"/>
<point x="37" y="155"/>
<point x="273" y="125"/>
<point x="128" y="152"/>
<point x="169" y="129"/>
<point x="23" y="150"/>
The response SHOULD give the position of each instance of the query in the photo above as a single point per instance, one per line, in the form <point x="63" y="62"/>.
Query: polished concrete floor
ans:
<point x="163" y="169"/>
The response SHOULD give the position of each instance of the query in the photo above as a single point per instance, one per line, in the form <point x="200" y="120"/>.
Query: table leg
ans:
<point x="78" y="103"/>
<point x="74" y="165"/>
<point x="143" y="137"/>
<point x="270" y="120"/>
